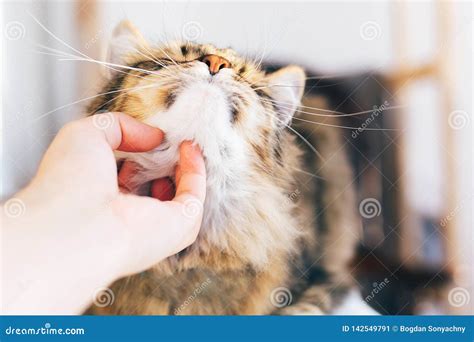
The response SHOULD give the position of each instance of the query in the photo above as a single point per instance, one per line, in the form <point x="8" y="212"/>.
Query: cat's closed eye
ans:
<point x="240" y="116"/>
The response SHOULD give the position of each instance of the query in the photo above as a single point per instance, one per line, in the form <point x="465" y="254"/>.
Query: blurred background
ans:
<point x="414" y="183"/>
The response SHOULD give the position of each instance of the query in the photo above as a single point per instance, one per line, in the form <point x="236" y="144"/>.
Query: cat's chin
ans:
<point x="200" y="112"/>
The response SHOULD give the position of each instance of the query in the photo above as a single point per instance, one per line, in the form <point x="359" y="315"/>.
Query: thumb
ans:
<point x="154" y="231"/>
<point x="158" y="229"/>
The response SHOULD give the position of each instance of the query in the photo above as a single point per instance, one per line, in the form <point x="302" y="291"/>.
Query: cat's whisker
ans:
<point x="268" y="86"/>
<point x="164" y="66"/>
<point x="63" y="54"/>
<point x="344" y="127"/>
<point x="290" y="105"/>
<point x="48" y="53"/>
<point x="72" y="57"/>
<point x="325" y="77"/>
<point x="297" y="133"/>
<point x="307" y="173"/>
<point x="52" y="50"/>
<point x="244" y="79"/>
<point x="341" y="114"/>
<point x="57" y="38"/>
<point x="252" y="61"/>
<point x="110" y="64"/>
<point x="152" y="57"/>
<point x="122" y="93"/>
<point x="90" y="98"/>
<point x="338" y="126"/>
<point x="167" y="55"/>
<point x="322" y="77"/>
<point x="276" y="177"/>
<point x="277" y="85"/>
<point x="262" y="56"/>
<point x="84" y="56"/>
<point x="335" y="113"/>
<point x="266" y="168"/>
<point x="66" y="54"/>
<point x="125" y="91"/>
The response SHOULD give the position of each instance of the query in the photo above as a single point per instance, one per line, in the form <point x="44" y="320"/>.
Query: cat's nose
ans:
<point x="215" y="63"/>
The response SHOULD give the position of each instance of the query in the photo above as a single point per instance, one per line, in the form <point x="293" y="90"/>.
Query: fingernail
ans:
<point x="191" y="148"/>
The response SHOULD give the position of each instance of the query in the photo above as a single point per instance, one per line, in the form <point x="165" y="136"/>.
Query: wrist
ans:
<point x="61" y="258"/>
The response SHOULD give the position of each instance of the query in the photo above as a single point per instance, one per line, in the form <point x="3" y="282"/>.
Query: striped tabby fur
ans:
<point x="275" y="239"/>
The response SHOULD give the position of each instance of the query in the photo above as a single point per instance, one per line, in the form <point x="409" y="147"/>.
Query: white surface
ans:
<point x="324" y="35"/>
<point x="424" y="124"/>
<point x="353" y="304"/>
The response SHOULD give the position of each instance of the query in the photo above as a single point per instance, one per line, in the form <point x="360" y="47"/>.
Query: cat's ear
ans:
<point x="286" y="87"/>
<point x="126" y="40"/>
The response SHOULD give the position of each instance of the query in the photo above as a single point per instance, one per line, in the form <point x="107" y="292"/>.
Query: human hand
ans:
<point x="77" y="219"/>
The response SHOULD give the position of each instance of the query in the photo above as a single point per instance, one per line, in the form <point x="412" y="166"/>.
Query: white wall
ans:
<point x="33" y="84"/>
<point x="324" y="35"/>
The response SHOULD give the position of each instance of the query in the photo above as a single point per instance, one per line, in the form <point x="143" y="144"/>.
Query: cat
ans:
<point x="272" y="241"/>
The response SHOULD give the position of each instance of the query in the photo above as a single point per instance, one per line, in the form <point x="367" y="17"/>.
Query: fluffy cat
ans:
<point x="271" y="242"/>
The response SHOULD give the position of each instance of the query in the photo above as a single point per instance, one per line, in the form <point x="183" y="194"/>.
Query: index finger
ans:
<point x="190" y="174"/>
<point x="125" y="133"/>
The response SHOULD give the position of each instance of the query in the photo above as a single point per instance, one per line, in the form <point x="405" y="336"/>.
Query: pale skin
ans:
<point x="79" y="230"/>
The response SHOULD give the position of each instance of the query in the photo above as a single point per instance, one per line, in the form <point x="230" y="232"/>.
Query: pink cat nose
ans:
<point x="215" y="63"/>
